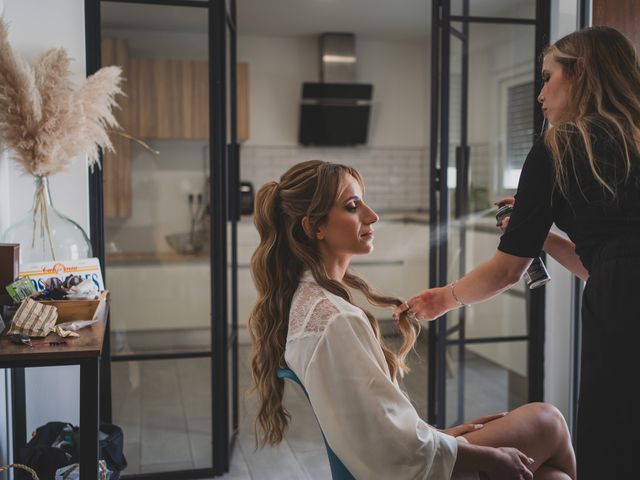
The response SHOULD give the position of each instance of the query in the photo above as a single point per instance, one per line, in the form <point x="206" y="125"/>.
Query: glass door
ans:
<point x="168" y="241"/>
<point x="488" y="357"/>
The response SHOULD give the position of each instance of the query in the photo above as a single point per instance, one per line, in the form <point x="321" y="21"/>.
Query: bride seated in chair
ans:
<point x="311" y="224"/>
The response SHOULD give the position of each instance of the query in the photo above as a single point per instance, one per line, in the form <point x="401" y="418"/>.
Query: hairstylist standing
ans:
<point x="585" y="177"/>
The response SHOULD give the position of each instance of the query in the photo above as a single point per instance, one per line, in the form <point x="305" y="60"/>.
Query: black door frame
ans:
<point x="224" y="167"/>
<point x="439" y="204"/>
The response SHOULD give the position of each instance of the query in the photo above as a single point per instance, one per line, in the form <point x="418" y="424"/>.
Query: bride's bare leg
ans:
<point x="540" y="431"/>
<point x="550" y="473"/>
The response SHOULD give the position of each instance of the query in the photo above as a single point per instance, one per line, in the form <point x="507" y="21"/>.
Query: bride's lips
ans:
<point x="368" y="234"/>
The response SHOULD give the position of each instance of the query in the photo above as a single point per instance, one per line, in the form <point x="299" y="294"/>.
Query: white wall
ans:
<point x="34" y="26"/>
<point x="279" y="65"/>
<point x="394" y="162"/>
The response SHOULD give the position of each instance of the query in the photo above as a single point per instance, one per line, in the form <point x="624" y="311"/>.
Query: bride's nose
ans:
<point x="372" y="216"/>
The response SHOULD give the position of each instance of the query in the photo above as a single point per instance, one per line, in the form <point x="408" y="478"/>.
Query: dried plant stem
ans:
<point x="131" y="137"/>
<point x="41" y="208"/>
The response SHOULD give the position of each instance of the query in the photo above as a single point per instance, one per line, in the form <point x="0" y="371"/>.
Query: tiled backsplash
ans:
<point x="396" y="178"/>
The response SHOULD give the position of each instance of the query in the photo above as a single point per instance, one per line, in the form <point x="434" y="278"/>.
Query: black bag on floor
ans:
<point x="112" y="448"/>
<point x="45" y="459"/>
<point x="41" y="456"/>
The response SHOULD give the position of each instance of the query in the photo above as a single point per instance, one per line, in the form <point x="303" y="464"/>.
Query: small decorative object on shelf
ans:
<point x="46" y="122"/>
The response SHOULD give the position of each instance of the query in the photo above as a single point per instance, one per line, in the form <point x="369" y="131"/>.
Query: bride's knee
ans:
<point x="549" y="418"/>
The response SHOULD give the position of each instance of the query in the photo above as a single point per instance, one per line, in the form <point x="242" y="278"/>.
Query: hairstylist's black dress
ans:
<point x="606" y="233"/>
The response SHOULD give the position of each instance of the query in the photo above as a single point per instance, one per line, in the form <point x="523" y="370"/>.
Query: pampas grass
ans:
<point x="45" y="120"/>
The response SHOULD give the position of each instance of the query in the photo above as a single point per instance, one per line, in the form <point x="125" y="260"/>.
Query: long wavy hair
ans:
<point x="309" y="189"/>
<point x="602" y="67"/>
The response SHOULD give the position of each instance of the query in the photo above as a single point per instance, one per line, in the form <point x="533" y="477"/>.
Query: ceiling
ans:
<point x="369" y="19"/>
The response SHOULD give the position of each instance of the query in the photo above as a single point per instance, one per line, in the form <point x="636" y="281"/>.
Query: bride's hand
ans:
<point x="472" y="426"/>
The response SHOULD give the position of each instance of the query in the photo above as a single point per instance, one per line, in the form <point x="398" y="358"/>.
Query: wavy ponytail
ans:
<point x="309" y="189"/>
<point x="269" y="319"/>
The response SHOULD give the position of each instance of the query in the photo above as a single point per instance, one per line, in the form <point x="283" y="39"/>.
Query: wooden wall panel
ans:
<point x="200" y="101"/>
<point x="117" y="165"/>
<point x="623" y="15"/>
<point x="243" y="101"/>
<point x="171" y="99"/>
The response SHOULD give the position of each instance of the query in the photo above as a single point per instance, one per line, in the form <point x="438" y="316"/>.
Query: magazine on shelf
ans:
<point x="40" y="272"/>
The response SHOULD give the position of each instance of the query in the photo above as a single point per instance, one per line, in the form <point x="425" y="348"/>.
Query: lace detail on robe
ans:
<point x="310" y="312"/>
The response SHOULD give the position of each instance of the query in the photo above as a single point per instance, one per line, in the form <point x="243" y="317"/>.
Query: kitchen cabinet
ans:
<point x="116" y="165"/>
<point x="171" y="99"/>
<point x="163" y="99"/>
<point x="176" y="299"/>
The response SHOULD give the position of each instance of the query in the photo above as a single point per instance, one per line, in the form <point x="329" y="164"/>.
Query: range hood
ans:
<point x="335" y="111"/>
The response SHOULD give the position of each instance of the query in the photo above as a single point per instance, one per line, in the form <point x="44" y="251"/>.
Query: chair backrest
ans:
<point x="338" y="470"/>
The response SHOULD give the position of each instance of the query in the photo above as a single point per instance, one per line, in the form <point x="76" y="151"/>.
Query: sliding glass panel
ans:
<point x="157" y="217"/>
<point x="485" y="156"/>
<point x="501" y="107"/>
<point x="164" y="408"/>
<point x="494" y="379"/>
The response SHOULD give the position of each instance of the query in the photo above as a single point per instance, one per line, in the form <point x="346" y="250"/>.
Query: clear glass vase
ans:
<point x="44" y="234"/>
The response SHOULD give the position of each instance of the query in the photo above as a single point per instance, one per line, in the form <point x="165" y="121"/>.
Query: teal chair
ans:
<point x="338" y="470"/>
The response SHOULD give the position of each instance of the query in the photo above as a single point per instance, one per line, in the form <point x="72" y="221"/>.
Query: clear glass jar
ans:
<point x="44" y="234"/>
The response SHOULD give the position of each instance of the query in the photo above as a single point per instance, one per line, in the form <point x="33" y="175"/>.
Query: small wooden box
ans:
<point x="9" y="268"/>
<point x="74" y="310"/>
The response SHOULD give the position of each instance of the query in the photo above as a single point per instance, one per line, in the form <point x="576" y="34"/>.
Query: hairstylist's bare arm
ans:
<point x="563" y="251"/>
<point x="482" y="283"/>
<point x="503" y="463"/>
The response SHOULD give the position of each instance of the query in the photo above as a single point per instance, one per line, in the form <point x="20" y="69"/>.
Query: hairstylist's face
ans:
<point x="348" y="228"/>
<point x="554" y="96"/>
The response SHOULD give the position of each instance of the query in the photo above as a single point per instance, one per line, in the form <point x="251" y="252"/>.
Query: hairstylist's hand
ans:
<point x="427" y="305"/>
<point x="509" y="464"/>
<point x="503" y="201"/>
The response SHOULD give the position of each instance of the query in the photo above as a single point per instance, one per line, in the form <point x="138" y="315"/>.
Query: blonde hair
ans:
<point x="602" y="68"/>
<point x="309" y="189"/>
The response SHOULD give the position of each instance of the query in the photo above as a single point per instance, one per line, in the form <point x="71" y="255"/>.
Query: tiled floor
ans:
<point x="164" y="409"/>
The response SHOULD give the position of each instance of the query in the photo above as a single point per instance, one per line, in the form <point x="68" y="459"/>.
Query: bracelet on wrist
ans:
<point x="459" y="302"/>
